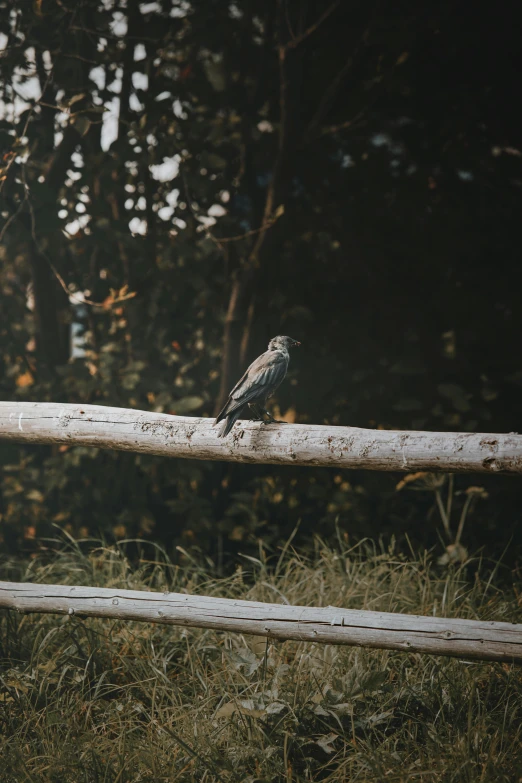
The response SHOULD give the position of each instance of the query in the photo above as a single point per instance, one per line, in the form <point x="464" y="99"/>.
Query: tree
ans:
<point x="181" y="181"/>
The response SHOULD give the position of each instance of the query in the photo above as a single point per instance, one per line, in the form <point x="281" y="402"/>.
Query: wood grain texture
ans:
<point x="283" y="444"/>
<point x="481" y="640"/>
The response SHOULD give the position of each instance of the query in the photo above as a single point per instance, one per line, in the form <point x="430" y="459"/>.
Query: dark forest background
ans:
<point x="181" y="181"/>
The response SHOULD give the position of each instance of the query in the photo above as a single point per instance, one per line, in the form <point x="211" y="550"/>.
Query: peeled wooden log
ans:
<point x="282" y="444"/>
<point x="482" y="640"/>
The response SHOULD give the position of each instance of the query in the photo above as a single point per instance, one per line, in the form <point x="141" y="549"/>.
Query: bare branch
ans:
<point x="223" y="240"/>
<point x="296" y="40"/>
<point x="13" y="216"/>
<point x="330" y="94"/>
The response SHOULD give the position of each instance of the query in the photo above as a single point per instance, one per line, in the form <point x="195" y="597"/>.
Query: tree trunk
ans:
<point x="51" y="308"/>
<point x="241" y="305"/>
<point x="236" y="333"/>
<point x="51" y="303"/>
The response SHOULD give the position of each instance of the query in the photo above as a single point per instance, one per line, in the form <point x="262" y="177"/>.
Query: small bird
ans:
<point x="258" y="384"/>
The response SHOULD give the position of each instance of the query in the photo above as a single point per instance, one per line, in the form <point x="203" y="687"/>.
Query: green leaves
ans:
<point x="81" y="123"/>
<point x="213" y="161"/>
<point x="245" y="661"/>
<point x="186" y="405"/>
<point x="456" y="395"/>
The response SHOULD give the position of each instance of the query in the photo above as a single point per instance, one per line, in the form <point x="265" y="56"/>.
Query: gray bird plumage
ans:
<point x="258" y="384"/>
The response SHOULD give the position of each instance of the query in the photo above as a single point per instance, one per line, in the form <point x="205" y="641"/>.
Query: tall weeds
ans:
<point x="123" y="702"/>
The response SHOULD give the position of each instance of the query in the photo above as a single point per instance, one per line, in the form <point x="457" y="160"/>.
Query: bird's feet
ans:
<point x="260" y="413"/>
<point x="271" y="420"/>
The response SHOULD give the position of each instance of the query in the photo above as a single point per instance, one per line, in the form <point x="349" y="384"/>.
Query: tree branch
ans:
<point x="296" y="40"/>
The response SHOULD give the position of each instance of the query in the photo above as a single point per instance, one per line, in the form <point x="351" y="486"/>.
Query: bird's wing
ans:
<point x="225" y="410"/>
<point x="262" y="377"/>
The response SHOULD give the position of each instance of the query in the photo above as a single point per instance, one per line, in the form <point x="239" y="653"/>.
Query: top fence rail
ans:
<point x="282" y="444"/>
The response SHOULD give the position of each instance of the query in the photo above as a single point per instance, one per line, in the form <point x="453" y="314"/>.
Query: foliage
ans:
<point x="180" y="181"/>
<point x="92" y="700"/>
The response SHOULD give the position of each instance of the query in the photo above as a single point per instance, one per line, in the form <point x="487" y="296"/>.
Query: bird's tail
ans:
<point x="229" y="423"/>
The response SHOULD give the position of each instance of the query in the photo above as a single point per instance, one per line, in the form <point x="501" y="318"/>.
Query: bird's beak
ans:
<point x="296" y="344"/>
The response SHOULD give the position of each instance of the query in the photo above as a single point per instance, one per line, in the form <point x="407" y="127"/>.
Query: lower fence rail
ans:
<point x="474" y="639"/>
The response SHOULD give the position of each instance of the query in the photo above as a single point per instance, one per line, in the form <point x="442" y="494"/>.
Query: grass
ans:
<point x="93" y="700"/>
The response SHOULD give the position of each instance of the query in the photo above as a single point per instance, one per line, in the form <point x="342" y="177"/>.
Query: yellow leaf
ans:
<point x="409" y="478"/>
<point x="76" y="98"/>
<point x="226" y="710"/>
<point x="81" y="123"/>
<point x="26" y="379"/>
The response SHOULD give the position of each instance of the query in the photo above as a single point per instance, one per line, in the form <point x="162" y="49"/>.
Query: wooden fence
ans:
<point x="485" y="640"/>
<point x="283" y="444"/>
<point x="340" y="447"/>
